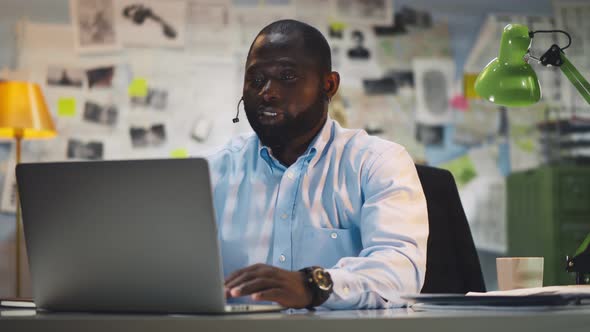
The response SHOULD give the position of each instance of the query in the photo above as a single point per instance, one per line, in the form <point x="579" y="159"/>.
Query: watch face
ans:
<point x="322" y="279"/>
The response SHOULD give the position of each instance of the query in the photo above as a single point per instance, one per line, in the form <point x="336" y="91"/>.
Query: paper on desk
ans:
<point x="463" y="308"/>
<point x="17" y="313"/>
<point x="550" y="290"/>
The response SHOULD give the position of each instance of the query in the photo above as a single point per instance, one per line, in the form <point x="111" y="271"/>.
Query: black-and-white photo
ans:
<point x="152" y="136"/>
<point x="434" y="82"/>
<point x="156" y="99"/>
<point x="140" y="13"/>
<point x="391" y="83"/>
<point x="380" y="86"/>
<point x="92" y="150"/>
<point x="429" y="135"/>
<point x="152" y="23"/>
<point x="100" y="114"/>
<point x="65" y="77"/>
<point x="358" y="51"/>
<point x="366" y="12"/>
<point x="100" y="77"/>
<point x="405" y="20"/>
<point x="94" y="25"/>
<point x="402" y="78"/>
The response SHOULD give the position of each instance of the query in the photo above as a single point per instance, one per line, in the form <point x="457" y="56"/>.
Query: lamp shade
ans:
<point x="508" y="80"/>
<point x="23" y="112"/>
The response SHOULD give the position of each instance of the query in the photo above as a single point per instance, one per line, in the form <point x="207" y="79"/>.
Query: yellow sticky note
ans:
<point x="179" y="153"/>
<point x="66" y="107"/>
<point x="337" y="26"/>
<point x="138" y="87"/>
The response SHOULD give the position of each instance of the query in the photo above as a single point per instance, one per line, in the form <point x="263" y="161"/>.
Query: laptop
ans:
<point x="124" y="236"/>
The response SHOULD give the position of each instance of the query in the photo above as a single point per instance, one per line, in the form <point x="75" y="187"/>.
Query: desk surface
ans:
<point x="302" y="321"/>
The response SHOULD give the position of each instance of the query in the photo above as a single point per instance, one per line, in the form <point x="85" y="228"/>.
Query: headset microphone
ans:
<point x="237" y="119"/>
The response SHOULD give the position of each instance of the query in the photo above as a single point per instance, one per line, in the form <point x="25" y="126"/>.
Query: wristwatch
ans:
<point x="319" y="282"/>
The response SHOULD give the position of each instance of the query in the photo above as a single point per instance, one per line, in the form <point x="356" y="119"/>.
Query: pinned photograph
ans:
<point x="434" y="90"/>
<point x="156" y="99"/>
<point x="99" y="114"/>
<point x="359" y="50"/>
<point x="64" y="77"/>
<point x="365" y="12"/>
<point x="94" y="25"/>
<point x="391" y="83"/>
<point x="152" y="136"/>
<point x="152" y="23"/>
<point x="100" y="77"/>
<point x="92" y="150"/>
<point x="208" y="26"/>
<point x="429" y="135"/>
<point x="405" y="19"/>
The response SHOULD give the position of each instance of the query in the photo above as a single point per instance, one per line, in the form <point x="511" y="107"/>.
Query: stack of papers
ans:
<point x="552" y="297"/>
<point x="550" y="290"/>
<point x="16" y="303"/>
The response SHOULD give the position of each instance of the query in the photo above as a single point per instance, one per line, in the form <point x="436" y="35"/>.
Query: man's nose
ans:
<point x="270" y="91"/>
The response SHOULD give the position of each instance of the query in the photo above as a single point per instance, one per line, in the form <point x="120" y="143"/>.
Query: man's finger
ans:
<point x="239" y="272"/>
<point x="247" y="275"/>
<point x="273" y="294"/>
<point x="253" y="286"/>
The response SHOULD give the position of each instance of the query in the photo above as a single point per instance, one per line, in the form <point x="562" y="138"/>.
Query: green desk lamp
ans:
<point x="509" y="80"/>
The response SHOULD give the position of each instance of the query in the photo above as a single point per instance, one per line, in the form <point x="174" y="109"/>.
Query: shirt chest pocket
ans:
<point x="325" y="246"/>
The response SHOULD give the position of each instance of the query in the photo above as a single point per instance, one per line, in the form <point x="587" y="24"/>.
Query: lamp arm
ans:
<point x="584" y="246"/>
<point x="580" y="263"/>
<point x="574" y="76"/>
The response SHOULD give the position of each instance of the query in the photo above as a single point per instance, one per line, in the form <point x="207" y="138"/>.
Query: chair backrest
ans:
<point x="452" y="264"/>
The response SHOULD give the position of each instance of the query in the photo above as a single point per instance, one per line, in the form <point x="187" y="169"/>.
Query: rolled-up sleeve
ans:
<point x="394" y="231"/>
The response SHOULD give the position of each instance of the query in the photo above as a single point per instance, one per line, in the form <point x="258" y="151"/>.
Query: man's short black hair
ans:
<point x="314" y="43"/>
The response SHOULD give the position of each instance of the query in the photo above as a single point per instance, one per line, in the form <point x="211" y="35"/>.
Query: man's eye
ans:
<point x="257" y="80"/>
<point x="288" y="75"/>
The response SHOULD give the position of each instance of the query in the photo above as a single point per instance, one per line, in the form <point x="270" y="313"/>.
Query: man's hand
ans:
<point x="268" y="283"/>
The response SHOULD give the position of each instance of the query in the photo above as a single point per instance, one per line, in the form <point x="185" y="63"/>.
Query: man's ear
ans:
<point x="331" y="84"/>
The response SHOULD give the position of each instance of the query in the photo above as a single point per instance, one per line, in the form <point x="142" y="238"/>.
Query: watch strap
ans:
<point x="319" y="296"/>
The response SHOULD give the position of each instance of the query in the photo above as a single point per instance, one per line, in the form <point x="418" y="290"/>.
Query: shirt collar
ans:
<point x="320" y="142"/>
<point x="314" y="150"/>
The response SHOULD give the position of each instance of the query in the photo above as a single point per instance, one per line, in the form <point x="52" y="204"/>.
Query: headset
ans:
<point x="237" y="119"/>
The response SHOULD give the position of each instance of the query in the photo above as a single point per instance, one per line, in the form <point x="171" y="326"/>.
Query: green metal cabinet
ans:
<point x="548" y="215"/>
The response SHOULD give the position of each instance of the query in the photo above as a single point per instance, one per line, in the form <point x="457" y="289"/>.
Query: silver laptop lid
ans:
<point x="136" y="235"/>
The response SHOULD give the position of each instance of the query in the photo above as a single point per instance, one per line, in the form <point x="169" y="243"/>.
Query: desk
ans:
<point x="398" y="320"/>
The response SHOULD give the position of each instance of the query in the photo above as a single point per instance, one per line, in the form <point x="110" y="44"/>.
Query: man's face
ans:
<point x="282" y="89"/>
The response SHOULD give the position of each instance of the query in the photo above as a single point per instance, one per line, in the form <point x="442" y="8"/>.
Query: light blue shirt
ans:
<point x="352" y="203"/>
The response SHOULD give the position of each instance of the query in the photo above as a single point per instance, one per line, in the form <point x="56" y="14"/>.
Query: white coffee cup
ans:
<point x="519" y="272"/>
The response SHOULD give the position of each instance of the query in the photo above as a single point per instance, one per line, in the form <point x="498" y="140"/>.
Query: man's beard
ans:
<point x="277" y="135"/>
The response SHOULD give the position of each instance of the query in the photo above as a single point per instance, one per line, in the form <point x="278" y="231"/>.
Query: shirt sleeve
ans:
<point x="394" y="232"/>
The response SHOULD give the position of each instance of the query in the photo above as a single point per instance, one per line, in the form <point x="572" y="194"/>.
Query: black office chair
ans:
<point x="452" y="264"/>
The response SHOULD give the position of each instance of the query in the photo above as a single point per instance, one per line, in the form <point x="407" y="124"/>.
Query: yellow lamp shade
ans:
<point x="23" y="112"/>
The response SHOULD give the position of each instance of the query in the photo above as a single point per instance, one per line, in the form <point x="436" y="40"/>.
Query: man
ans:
<point x="310" y="213"/>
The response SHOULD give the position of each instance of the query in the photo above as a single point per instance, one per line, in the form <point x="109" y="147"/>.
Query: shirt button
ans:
<point x="334" y="235"/>
<point x="290" y="175"/>
<point x="284" y="216"/>
<point x="282" y="258"/>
